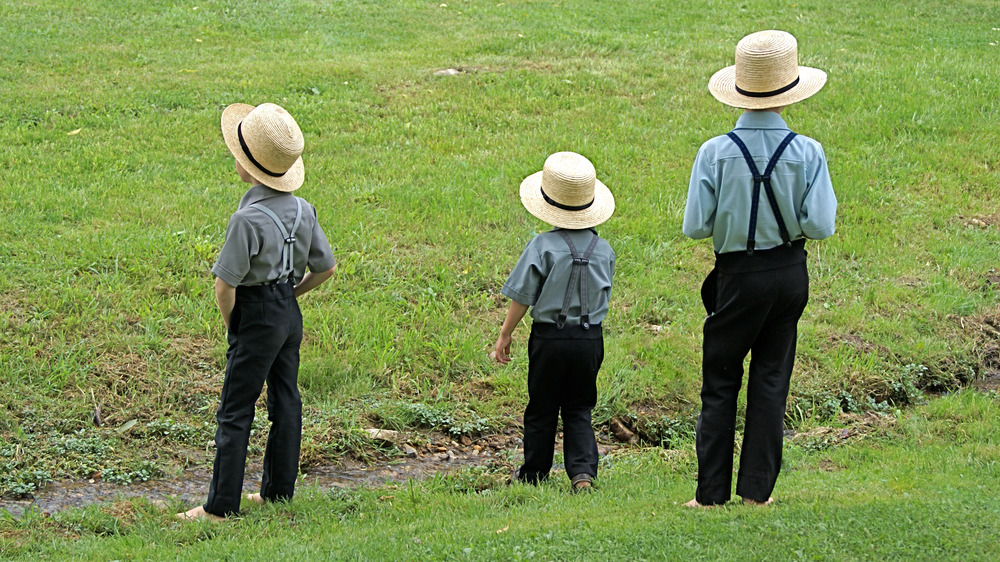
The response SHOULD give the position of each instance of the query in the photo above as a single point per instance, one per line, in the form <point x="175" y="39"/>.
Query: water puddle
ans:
<point x="191" y="486"/>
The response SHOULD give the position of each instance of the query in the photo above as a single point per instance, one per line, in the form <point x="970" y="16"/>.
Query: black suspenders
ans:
<point x="758" y="179"/>
<point x="579" y="272"/>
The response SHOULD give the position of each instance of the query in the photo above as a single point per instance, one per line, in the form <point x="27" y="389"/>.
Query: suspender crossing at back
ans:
<point x="288" y="247"/>
<point x="580" y="264"/>
<point x="765" y="179"/>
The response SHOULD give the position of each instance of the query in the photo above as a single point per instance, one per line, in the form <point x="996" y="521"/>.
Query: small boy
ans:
<point x="564" y="275"/>
<point x="270" y="241"/>
<point x="759" y="287"/>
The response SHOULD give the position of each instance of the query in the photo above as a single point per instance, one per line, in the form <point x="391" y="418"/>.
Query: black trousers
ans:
<point x="562" y="378"/>
<point x="265" y="332"/>
<point x="756" y="311"/>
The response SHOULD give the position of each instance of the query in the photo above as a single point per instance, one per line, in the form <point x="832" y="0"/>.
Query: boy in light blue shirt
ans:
<point x="758" y="192"/>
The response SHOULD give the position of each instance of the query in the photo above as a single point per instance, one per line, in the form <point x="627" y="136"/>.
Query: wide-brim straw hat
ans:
<point x="567" y="193"/>
<point x="267" y="142"/>
<point x="766" y="74"/>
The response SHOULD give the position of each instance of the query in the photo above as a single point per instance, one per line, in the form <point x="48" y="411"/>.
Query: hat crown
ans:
<point x="568" y="179"/>
<point x="272" y="137"/>
<point x="766" y="61"/>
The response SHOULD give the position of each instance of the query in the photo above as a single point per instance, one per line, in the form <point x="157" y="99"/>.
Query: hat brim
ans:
<point x="291" y="180"/>
<point x="722" y="85"/>
<point x="599" y="211"/>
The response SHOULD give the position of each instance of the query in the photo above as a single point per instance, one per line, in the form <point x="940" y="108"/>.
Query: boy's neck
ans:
<point x="772" y="109"/>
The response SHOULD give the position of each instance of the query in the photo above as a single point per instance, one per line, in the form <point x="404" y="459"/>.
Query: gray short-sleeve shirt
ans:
<point x="542" y="273"/>
<point x="251" y="254"/>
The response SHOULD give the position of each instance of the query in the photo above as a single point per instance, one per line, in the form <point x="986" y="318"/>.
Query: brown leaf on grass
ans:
<point x="504" y="529"/>
<point x="75" y="131"/>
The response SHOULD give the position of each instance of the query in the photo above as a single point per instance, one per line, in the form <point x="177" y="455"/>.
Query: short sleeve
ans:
<point x="819" y="206"/>
<point x="525" y="281"/>
<point x="320" y="254"/>
<point x="699" y="212"/>
<point x="241" y="244"/>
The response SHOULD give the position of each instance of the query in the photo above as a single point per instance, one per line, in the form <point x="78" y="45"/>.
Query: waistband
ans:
<point x="762" y="260"/>
<point x="265" y="293"/>
<point x="549" y="331"/>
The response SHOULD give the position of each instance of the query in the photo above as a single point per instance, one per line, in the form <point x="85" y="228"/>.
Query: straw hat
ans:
<point x="567" y="193"/>
<point x="267" y="142"/>
<point x="767" y="73"/>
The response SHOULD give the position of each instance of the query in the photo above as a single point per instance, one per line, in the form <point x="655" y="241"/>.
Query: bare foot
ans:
<point x="748" y="501"/>
<point x="694" y="503"/>
<point x="199" y="513"/>
<point x="255" y="498"/>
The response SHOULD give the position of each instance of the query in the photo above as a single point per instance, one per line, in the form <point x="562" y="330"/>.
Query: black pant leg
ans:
<point x="541" y="415"/>
<point x="579" y="398"/>
<point x="771" y="363"/>
<point x="284" y="410"/>
<point x="728" y="336"/>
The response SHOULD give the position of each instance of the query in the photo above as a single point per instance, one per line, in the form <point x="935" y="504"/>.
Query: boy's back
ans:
<point x="542" y="275"/>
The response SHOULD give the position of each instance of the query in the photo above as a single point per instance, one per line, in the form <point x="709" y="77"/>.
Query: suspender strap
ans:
<point x="765" y="179"/>
<point x="288" y="249"/>
<point x="578" y="272"/>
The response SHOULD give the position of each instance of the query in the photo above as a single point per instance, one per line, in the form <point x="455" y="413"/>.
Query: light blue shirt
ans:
<point x="718" y="202"/>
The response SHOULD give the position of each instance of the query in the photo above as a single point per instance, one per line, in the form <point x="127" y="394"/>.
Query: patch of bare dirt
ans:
<point x="979" y="221"/>
<point x="992" y="279"/>
<point x="985" y="334"/>
<point x="12" y="305"/>
<point x="858" y="343"/>
<point x="855" y="427"/>
<point x="827" y="465"/>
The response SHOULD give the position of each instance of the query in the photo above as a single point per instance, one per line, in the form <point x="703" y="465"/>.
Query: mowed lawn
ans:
<point x="116" y="188"/>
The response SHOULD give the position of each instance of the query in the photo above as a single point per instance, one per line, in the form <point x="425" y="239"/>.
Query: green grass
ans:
<point x="917" y="486"/>
<point x="117" y="187"/>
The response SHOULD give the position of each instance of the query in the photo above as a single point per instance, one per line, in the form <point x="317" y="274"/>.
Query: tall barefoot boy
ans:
<point x="759" y="192"/>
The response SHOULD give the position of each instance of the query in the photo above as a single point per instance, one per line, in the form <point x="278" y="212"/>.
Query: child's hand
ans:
<point x="501" y="350"/>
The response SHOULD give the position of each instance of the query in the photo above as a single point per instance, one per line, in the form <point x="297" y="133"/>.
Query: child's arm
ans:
<point x="311" y="280"/>
<point x="501" y="349"/>
<point x="225" y="297"/>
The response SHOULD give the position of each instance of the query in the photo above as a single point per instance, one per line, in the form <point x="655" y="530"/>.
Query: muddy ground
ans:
<point x="440" y="454"/>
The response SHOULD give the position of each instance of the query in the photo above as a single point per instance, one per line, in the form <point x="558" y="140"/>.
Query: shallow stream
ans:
<point x="191" y="486"/>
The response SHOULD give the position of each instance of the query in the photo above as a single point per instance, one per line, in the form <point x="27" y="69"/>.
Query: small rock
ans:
<point x="622" y="433"/>
<point x="383" y="435"/>
<point x="466" y="440"/>
<point x="448" y="72"/>
<point x="441" y="457"/>
<point x="410" y="452"/>
<point x="450" y="455"/>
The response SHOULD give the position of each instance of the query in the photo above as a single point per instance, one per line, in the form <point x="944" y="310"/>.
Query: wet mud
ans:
<point x="191" y="486"/>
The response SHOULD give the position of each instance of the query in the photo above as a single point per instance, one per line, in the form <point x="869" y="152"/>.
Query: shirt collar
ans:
<point x="760" y="120"/>
<point x="258" y="193"/>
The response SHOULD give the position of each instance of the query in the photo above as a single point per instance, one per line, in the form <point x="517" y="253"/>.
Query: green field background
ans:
<point x="116" y="188"/>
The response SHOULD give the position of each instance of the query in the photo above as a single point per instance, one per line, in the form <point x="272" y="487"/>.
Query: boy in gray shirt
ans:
<point x="564" y="275"/>
<point x="270" y="242"/>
